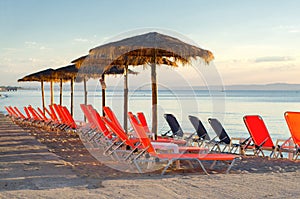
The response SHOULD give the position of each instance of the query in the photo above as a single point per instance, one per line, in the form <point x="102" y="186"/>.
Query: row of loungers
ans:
<point x="55" y="118"/>
<point x="106" y="132"/>
<point x="258" y="142"/>
<point x="138" y="147"/>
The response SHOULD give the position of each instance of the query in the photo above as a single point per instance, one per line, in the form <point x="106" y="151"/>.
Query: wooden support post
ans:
<point x="72" y="96"/>
<point x="43" y="95"/>
<point x="60" y="91"/>
<point x="125" y="98"/>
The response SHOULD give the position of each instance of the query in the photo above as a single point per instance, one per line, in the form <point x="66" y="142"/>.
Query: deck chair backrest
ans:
<point x="219" y="130"/>
<point x="69" y="117"/>
<point x="27" y="112"/>
<point x="200" y="129"/>
<point x="143" y="121"/>
<point x="9" y="111"/>
<point x="85" y="109"/>
<point x="60" y="113"/>
<point x="174" y="125"/>
<point x="20" y="113"/>
<point x="111" y="115"/>
<point x="258" y="131"/>
<point x="52" y="112"/>
<point x="13" y="111"/>
<point x="42" y="114"/>
<point x="99" y="122"/>
<point x="293" y="122"/>
<point x="140" y="131"/>
<point x="120" y="133"/>
<point x="34" y="113"/>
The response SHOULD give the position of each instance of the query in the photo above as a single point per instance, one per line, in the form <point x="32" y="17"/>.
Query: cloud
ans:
<point x="294" y="31"/>
<point x="35" y="45"/>
<point x="289" y="29"/>
<point x="81" y="40"/>
<point x="30" y="42"/>
<point x="273" y="59"/>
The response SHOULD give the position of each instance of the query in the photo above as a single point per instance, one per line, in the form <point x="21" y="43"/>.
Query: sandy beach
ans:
<point x="47" y="165"/>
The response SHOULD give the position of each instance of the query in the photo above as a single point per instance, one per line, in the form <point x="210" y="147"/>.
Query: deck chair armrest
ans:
<point x="166" y="133"/>
<point x="213" y="140"/>
<point x="242" y="141"/>
<point x="223" y="139"/>
<point x="202" y="136"/>
<point x="141" y="153"/>
<point x="282" y="142"/>
<point x="190" y="136"/>
<point x="238" y="139"/>
<point x="263" y="142"/>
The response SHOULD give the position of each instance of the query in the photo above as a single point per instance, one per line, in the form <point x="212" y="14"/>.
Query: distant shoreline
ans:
<point x="241" y="87"/>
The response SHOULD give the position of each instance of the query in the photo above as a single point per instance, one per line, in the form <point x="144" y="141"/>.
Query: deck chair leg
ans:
<point x="137" y="166"/>
<point x="272" y="154"/>
<point x="115" y="156"/>
<point x="213" y="164"/>
<point x="166" y="167"/>
<point x="190" y="163"/>
<point x="202" y="167"/>
<point x="296" y="156"/>
<point x="230" y="166"/>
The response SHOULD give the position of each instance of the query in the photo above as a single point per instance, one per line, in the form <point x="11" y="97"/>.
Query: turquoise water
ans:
<point x="228" y="106"/>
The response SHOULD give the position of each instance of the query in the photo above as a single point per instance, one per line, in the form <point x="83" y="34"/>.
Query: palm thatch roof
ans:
<point x="115" y="69"/>
<point x="44" y="75"/>
<point x="143" y="49"/>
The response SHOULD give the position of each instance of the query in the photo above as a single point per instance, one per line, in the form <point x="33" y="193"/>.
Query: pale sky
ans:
<point x="254" y="42"/>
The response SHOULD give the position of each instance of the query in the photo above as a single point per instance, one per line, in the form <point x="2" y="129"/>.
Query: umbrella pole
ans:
<point x="72" y="95"/>
<point x="125" y="97"/>
<point x="103" y="92"/>
<point x="51" y="93"/>
<point x="85" y="94"/>
<point x="43" y="95"/>
<point x="154" y="98"/>
<point x="60" y="92"/>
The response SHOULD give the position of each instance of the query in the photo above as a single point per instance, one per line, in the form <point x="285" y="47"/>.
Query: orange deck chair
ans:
<point x="260" y="136"/>
<point x="293" y="122"/>
<point x="172" y="157"/>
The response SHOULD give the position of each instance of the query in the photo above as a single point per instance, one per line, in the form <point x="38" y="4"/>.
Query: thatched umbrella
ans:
<point x="42" y="76"/>
<point x="114" y="70"/>
<point x="67" y="73"/>
<point x="150" y="48"/>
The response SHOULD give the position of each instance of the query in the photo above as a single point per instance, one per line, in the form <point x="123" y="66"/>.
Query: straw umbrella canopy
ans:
<point x="152" y="48"/>
<point x="71" y="73"/>
<point x="113" y="70"/>
<point x="42" y="76"/>
<point x="67" y="73"/>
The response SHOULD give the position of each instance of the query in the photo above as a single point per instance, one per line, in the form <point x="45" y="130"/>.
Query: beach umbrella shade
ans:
<point x="70" y="73"/>
<point x="150" y="48"/>
<point x="67" y="73"/>
<point x="42" y="76"/>
<point x="113" y="70"/>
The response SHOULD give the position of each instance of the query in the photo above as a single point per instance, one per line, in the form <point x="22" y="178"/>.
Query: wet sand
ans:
<point x="37" y="164"/>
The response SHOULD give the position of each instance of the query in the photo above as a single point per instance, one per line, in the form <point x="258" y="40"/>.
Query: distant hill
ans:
<point x="274" y="86"/>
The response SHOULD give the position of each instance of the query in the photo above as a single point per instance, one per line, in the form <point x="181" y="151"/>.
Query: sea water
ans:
<point x="227" y="106"/>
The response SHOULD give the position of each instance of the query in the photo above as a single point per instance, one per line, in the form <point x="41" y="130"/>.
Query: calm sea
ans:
<point x="228" y="106"/>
